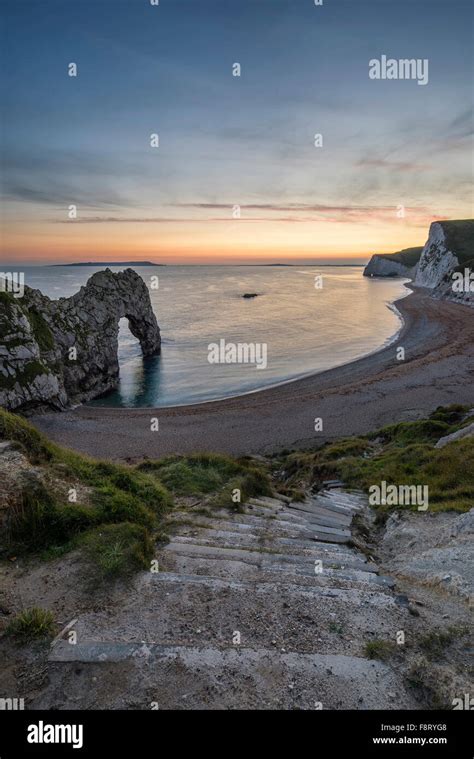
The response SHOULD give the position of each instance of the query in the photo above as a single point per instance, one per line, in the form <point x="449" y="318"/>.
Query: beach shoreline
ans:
<point x="354" y="398"/>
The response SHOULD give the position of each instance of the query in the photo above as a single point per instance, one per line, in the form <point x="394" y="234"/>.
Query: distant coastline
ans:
<point x="110" y="263"/>
<point x="151" y="263"/>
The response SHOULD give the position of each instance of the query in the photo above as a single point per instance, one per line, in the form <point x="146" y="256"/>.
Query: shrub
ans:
<point x="31" y="624"/>
<point x="379" y="649"/>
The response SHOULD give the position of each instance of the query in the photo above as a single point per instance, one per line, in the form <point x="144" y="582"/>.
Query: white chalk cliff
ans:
<point x="446" y="259"/>
<point x="436" y="259"/>
<point x="382" y="266"/>
<point x="448" y="254"/>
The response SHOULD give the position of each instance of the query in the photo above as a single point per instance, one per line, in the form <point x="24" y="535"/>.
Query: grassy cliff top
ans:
<point x="408" y="256"/>
<point x="117" y="512"/>
<point x="460" y="238"/>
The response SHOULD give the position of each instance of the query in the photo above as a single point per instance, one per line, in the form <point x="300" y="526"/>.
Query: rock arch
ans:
<point x="70" y="348"/>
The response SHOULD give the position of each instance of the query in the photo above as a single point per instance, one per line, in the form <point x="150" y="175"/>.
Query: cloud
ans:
<point x="59" y="178"/>
<point x="58" y="194"/>
<point x="463" y="124"/>
<point x="297" y="213"/>
<point x="382" y="163"/>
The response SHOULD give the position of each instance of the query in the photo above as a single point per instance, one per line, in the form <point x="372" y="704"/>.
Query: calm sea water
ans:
<point x="305" y="329"/>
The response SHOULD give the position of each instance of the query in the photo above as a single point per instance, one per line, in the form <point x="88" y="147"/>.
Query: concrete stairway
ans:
<point x="268" y="608"/>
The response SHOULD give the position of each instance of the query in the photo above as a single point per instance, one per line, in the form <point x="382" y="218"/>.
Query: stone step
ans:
<point x="284" y="549"/>
<point x="283" y="497"/>
<point x="354" y="496"/>
<point x="328" y="504"/>
<point x="257" y="557"/>
<point x="206" y="677"/>
<point x="324" y="517"/>
<point x="267" y="501"/>
<point x="323" y="514"/>
<point x="292" y="527"/>
<point x="266" y="569"/>
<point x="344" y="500"/>
<point x="310" y="523"/>
<point x="202" y="610"/>
<point x="369" y="596"/>
<point x="321" y="534"/>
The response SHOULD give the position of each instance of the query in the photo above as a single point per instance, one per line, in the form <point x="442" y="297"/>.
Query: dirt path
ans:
<point x="270" y="608"/>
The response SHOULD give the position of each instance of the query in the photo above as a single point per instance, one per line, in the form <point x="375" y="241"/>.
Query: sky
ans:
<point x="237" y="177"/>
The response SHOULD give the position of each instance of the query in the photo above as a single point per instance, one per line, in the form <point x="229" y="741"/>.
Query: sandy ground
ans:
<point x="438" y="338"/>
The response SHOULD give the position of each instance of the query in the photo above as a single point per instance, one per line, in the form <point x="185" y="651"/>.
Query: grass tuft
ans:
<point x="379" y="649"/>
<point x="117" y="550"/>
<point x="208" y="473"/>
<point x="31" y="624"/>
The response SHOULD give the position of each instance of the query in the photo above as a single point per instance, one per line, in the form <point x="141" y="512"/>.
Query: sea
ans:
<point x="304" y="320"/>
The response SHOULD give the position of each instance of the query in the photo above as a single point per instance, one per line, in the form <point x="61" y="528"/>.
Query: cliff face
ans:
<point x="55" y="353"/>
<point x="436" y="260"/>
<point x="447" y="261"/>
<point x="381" y="266"/>
<point x="401" y="264"/>
<point x="445" y="264"/>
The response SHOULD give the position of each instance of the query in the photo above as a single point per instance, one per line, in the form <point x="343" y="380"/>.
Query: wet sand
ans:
<point x="438" y="338"/>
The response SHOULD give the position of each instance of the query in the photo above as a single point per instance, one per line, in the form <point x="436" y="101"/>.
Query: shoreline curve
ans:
<point x="352" y="398"/>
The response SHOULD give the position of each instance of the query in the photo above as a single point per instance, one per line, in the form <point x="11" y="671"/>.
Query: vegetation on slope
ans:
<point x="400" y="454"/>
<point x="204" y="473"/>
<point x="459" y="239"/>
<point x="118" y="511"/>
<point x="115" y="503"/>
<point x="407" y="257"/>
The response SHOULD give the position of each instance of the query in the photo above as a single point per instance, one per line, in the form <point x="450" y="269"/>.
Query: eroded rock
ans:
<point x="458" y="435"/>
<point x="54" y="353"/>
